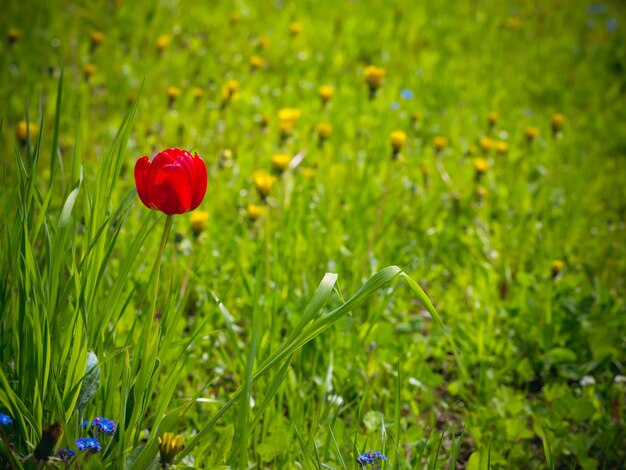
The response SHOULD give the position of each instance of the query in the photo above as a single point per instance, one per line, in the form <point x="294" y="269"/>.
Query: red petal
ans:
<point x="171" y="188"/>
<point x="142" y="169"/>
<point x="199" y="182"/>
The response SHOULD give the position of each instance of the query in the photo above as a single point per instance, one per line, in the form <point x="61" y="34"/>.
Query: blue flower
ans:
<point x="65" y="454"/>
<point x="596" y="9"/>
<point x="370" y="458"/>
<point x="395" y="105"/>
<point x="5" y="419"/>
<point x="104" y="425"/>
<point x="89" y="444"/>
<point x="611" y="25"/>
<point x="406" y="94"/>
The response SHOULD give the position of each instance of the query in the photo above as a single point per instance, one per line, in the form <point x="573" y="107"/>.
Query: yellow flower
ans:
<point x="264" y="42"/>
<point x="26" y="131"/>
<point x="234" y="18"/>
<point x="557" y="266"/>
<point x="502" y="147"/>
<point x="173" y="92"/>
<point x="89" y="70"/>
<point x="481" y="192"/>
<point x="263" y="182"/>
<point x="96" y="38"/>
<point x="295" y="28"/>
<point x="257" y="62"/>
<point x="308" y="172"/>
<point x="485" y="144"/>
<point x="531" y="133"/>
<point x="254" y="212"/>
<point x="280" y="162"/>
<point x="416" y="116"/>
<point x="472" y="150"/>
<point x="198" y="220"/>
<point x="163" y="41"/>
<point x="14" y="35"/>
<point x="288" y="118"/>
<point x="326" y="93"/>
<point x="374" y="76"/>
<point x="557" y="122"/>
<point x="230" y="89"/>
<point x="324" y="130"/>
<point x="481" y="166"/>
<point x="440" y="143"/>
<point x="513" y="22"/>
<point x="169" y="446"/>
<point x="398" y="139"/>
<point x="197" y="92"/>
<point x="492" y="118"/>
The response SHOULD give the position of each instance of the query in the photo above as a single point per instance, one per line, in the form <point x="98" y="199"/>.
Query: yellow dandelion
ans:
<point x="440" y="143"/>
<point x="173" y="92"/>
<point x="26" y="131"/>
<point x="264" y="42"/>
<point x="326" y="92"/>
<point x="96" y="38"/>
<point x="235" y="18"/>
<point x="14" y="35"/>
<point x="89" y="70"/>
<point x="557" y="267"/>
<point x="295" y="28"/>
<point x="162" y="42"/>
<point x="308" y="172"/>
<point x="531" y="133"/>
<point x="280" y="162"/>
<point x="197" y="92"/>
<point x="254" y="212"/>
<point x="263" y="182"/>
<point x="557" y="122"/>
<point x="481" y="165"/>
<point x="492" y="118"/>
<point x="472" y="150"/>
<point x="502" y="147"/>
<point x="169" y="447"/>
<point x="485" y="144"/>
<point x="416" y="117"/>
<point x="257" y="62"/>
<point x="397" y="139"/>
<point x="324" y="130"/>
<point x="374" y="78"/>
<point x="198" y="221"/>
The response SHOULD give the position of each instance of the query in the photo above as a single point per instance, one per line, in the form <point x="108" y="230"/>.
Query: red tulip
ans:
<point x="174" y="182"/>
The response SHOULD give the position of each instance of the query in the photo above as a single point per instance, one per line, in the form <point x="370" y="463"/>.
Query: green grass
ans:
<point x="379" y="303"/>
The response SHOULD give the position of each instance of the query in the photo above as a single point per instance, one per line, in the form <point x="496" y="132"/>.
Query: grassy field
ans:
<point x="436" y="270"/>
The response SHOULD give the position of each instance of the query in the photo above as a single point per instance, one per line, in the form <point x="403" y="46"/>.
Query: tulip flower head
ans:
<point x="174" y="182"/>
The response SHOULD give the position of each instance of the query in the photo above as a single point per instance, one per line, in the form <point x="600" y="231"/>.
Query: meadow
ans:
<point x="410" y="254"/>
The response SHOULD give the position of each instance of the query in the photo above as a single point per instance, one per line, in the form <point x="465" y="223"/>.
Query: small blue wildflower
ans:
<point x="65" y="454"/>
<point x="5" y="419"/>
<point x="105" y="425"/>
<point x="406" y="94"/>
<point x="596" y="9"/>
<point x="395" y="105"/>
<point x="84" y="424"/>
<point x="611" y="25"/>
<point x="370" y="457"/>
<point x="89" y="444"/>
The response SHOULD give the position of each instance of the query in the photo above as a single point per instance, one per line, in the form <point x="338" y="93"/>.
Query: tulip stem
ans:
<point x="155" y="285"/>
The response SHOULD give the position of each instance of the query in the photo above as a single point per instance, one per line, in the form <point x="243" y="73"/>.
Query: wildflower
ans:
<point x="198" y="220"/>
<point x="531" y="134"/>
<point x="197" y="93"/>
<point x="416" y="117"/>
<point x="89" y="444"/>
<point x="280" y="162"/>
<point x="65" y="454"/>
<point x="264" y="42"/>
<point x="326" y="92"/>
<point x="471" y="150"/>
<point x="587" y="380"/>
<point x="485" y="144"/>
<point x="263" y="182"/>
<point x="257" y="62"/>
<point x="254" y="212"/>
<point x="308" y="172"/>
<point x="288" y="118"/>
<point x="374" y="78"/>
<point x="89" y="70"/>
<point x="398" y="139"/>
<point x="295" y="28"/>
<point x="173" y="183"/>
<point x="226" y="158"/>
<point x="173" y="93"/>
<point x="263" y="120"/>
<point x="481" y="166"/>
<point x="103" y="425"/>
<point x="492" y="118"/>
<point x="5" y="420"/>
<point x="48" y="442"/>
<point x="169" y="446"/>
<point x="502" y="147"/>
<point x="323" y="131"/>
<point x="440" y="143"/>
<point x="481" y="192"/>
<point x="235" y="18"/>
<point x="229" y="92"/>
<point x="557" y="267"/>
<point x="162" y="42"/>
<point x="26" y="131"/>
<point x="557" y="123"/>
<point x="96" y="38"/>
<point x="406" y="94"/>
<point x="370" y="458"/>
<point x="14" y="35"/>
